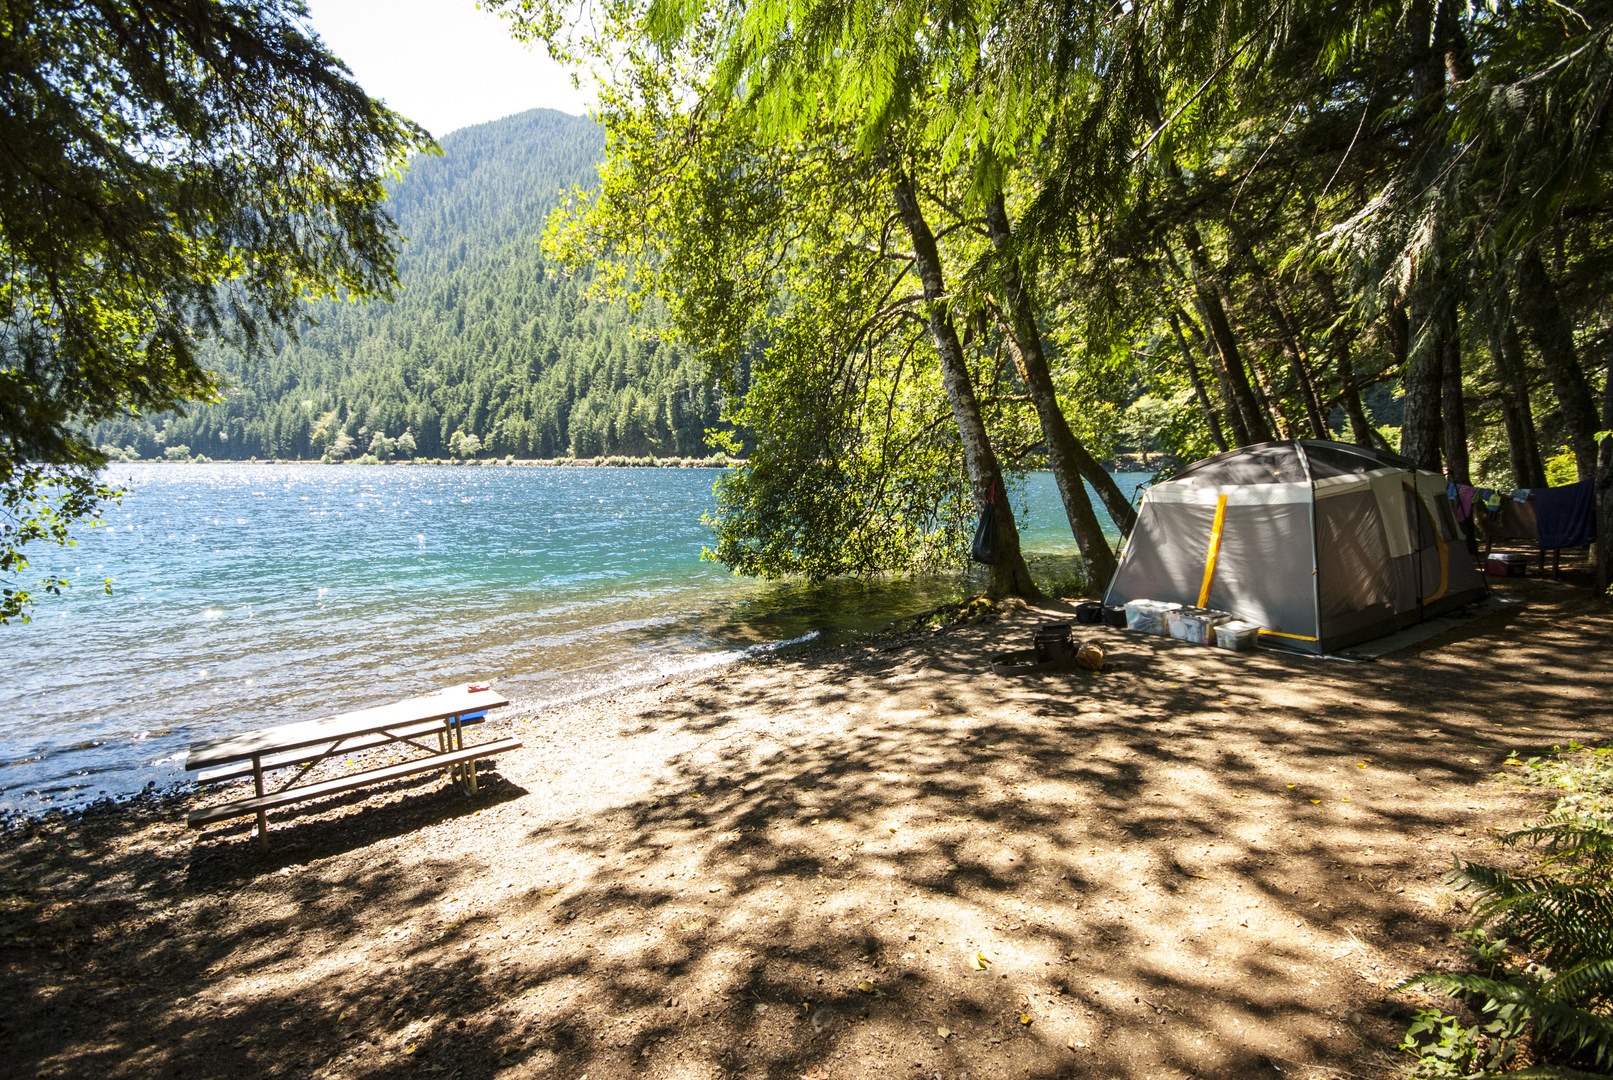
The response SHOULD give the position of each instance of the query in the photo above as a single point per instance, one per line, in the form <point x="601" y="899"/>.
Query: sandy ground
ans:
<point x="883" y="860"/>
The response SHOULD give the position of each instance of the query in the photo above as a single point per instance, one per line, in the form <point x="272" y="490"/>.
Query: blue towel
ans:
<point x="1566" y="516"/>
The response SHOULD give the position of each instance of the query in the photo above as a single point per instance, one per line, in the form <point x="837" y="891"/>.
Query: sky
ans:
<point x="442" y="63"/>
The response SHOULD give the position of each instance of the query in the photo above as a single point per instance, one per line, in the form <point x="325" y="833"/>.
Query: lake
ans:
<point x="254" y="594"/>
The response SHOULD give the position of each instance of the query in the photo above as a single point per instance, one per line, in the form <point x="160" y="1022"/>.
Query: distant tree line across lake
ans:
<point x="486" y="351"/>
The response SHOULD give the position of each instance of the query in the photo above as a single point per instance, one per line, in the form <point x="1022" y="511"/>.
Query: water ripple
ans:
<point x="250" y="594"/>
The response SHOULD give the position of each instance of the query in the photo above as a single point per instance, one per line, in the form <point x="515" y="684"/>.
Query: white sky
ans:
<point x="442" y="63"/>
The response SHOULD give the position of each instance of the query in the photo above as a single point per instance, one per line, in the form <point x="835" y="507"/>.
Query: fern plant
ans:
<point x="1546" y="975"/>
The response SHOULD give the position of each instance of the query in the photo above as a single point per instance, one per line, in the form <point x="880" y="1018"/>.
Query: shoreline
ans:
<point x="859" y="860"/>
<point x="611" y="461"/>
<point x="157" y="797"/>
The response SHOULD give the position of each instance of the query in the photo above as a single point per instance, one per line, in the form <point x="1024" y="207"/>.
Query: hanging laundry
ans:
<point x="1565" y="516"/>
<point x="1464" y="503"/>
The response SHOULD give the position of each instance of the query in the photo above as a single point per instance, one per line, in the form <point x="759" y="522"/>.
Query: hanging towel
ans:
<point x="1565" y="516"/>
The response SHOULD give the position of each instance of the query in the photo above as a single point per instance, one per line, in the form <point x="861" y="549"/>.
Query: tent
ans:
<point x="1321" y="544"/>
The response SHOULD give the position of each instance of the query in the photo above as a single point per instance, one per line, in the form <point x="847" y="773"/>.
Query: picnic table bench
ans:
<point x="301" y="746"/>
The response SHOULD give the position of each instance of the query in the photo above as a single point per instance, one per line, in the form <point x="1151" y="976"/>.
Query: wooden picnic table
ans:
<point x="433" y="724"/>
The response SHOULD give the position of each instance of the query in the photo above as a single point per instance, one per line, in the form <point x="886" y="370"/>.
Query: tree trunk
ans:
<point x="1604" y="485"/>
<point x="1229" y="411"/>
<point x="1084" y="525"/>
<point x="1420" y="427"/>
<point x="1506" y="353"/>
<point x="1210" y="419"/>
<point x="1039" y="379"/>
<point x="1554" y="340"/>
<point x="1302" y="373"/>
<point x="1291" y="346"/>
<point x="1260" y="379"/>
<point x="1066" y="456"/>
<point x="1009" y="576"/>
<point x="1229" y="401"/>
<point x="1453" y="411"/>
<point x="1219" y="327"/>
<point x="1432" y="305"/>
<point x="1362" y="433"/>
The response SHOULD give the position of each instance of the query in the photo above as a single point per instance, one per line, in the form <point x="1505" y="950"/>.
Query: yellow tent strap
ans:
<point x="1215" y="549"/>
<point x="1293" y="637"/>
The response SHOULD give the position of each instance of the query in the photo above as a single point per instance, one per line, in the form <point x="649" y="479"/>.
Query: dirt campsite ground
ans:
<point x="882" y="860"/>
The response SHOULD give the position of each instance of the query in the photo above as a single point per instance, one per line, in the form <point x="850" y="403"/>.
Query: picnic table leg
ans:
<point x="464" y="775"/>
<point x="263" y="816"/>
<point x="445" y="740"/>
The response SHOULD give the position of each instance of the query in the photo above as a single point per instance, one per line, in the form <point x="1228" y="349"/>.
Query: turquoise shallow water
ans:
<point x="248" y="594"/>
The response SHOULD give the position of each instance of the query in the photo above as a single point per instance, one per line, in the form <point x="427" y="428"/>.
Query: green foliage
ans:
<point x="1277" y="220"/>
<point x="1447" y="1048"/>
<point x="174" y="175"/>
<point x="832" y="486"/>
<point x="41" y="503"/>
<point x="173" y="172"/>
<point x="1561" y="469"/>
<point x="1543" y="943"/>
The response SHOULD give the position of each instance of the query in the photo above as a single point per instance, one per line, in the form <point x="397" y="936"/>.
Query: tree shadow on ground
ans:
<point x="874" y="860"/>
<point x="356" y="819"/>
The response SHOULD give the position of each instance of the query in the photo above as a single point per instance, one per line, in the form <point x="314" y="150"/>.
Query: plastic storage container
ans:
<point x="1149" y="616"/>
<point x="1196" y="624"/>
<point x="1237" y="635"/>
<point x="1507" y="564"/>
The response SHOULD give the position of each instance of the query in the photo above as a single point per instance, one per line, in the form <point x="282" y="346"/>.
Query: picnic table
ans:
<point x="433" y="725"/>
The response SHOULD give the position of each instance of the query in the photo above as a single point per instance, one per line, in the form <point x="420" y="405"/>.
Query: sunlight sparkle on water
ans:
<point x="557" y="583"/>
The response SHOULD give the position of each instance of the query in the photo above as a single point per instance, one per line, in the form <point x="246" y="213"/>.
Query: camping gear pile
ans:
<point x="1320" y="545"/>
<point x="1053" y="647"/>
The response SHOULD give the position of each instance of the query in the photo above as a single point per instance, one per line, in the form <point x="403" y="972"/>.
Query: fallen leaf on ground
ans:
<point x="981" y="960"/>
<point x="866" y="987"/>
<point x="1025" y="1018"/>
<point x="944" y="1032"/>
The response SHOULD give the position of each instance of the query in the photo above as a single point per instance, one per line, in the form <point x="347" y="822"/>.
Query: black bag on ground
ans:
<point x="985" y="545"/>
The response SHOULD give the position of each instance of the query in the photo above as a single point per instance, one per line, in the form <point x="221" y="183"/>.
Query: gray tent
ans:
<point x="1321" y="544"/>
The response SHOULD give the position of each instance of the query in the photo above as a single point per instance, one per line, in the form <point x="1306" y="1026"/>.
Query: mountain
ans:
<point x="484" y="349"/>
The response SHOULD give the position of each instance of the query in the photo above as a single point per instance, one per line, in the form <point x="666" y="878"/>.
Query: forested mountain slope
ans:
<point x="483" y="349"/>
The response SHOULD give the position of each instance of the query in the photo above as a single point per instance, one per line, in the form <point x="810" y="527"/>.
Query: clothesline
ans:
<point x="1553" y="517"/>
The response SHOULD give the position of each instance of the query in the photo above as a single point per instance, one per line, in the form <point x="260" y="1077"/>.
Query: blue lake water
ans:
<point x="246" y="595"/>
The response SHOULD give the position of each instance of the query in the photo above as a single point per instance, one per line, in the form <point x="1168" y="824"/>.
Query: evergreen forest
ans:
<point x="484" y="350"/>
